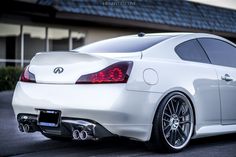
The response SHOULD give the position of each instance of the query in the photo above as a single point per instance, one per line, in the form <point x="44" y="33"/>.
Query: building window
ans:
<point x="58" y="39"/>
<point x="78" y="39"/>
<point x="34" y="41"/>
<point x="10" y="44"/>
<point x="19" y="43"/>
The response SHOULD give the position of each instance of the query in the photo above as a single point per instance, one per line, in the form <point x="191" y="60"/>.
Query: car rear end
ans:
<point x="84" y="95"/>
<point x="84" y="88"/>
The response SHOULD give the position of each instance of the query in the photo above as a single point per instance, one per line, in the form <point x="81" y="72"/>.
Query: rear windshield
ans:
<point x="123" y="44"/>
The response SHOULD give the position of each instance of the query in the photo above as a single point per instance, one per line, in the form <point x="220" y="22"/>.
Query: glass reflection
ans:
<point x="34" y="41"/>
<point x="10" y="44"/>
<point x="58" y="39"/>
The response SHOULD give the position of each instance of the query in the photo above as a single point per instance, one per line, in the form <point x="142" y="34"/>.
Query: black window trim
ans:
<point x="210" y="62"/>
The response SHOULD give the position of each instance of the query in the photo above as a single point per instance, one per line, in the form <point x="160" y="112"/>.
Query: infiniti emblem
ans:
<point x="58" y="70"/>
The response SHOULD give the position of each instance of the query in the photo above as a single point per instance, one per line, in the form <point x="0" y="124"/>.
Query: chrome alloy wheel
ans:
<point x="177" y="121"/>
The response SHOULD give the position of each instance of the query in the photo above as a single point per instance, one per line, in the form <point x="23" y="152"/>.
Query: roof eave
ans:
<point x="118" y="22"/>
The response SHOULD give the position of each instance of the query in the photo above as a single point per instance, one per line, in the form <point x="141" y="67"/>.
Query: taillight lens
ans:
<point x="27" y="76"/>
<point x="115" y="73"/>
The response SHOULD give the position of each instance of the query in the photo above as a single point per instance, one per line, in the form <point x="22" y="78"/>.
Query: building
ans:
<point x="30" y="26"/>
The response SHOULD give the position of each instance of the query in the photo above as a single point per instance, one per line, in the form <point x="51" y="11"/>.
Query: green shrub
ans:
<point x="9" y="77"/>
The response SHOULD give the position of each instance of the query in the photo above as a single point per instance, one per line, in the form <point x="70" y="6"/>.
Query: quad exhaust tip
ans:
<point x="21" y="127"/>
<point x="81" y="135"/>
<point x="26" y="128"/>
<point x="76" y="135"/>
<point x="80" y="130"/>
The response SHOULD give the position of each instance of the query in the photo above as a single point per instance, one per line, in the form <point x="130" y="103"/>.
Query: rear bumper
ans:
<point x="29" y="123"/>
<point x="121" y="112"/>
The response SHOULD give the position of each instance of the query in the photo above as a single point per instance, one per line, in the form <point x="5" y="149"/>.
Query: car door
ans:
<point x="223" y="55"/>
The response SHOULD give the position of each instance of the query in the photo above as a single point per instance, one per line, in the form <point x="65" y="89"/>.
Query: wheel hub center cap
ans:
<point x="174" y="122"/>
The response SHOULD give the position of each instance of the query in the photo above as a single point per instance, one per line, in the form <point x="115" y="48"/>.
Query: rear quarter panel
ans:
<point x="197" y="80"/>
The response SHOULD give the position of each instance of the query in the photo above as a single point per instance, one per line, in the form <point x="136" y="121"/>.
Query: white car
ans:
<point x="164" y="89"/>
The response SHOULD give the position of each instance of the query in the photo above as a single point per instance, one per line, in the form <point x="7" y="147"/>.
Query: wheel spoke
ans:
<point x="172" y="106"/>
<point x="167" y="115"/>
<point x="175" y="137"/>
<point x="177" y="107"/>
<point x="182" y="134"/>
<point x="165" y="120"/>
<point x="166" y="127"/>
<point x="167" y="131"/>
<point x="172" y="137"/>
<point x="169" y="109"/>
<point x="185" y="122"/>
<point x="180" y="109"/>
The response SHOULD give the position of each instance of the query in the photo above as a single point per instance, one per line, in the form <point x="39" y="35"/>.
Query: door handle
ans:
<point x="226" y="77"/>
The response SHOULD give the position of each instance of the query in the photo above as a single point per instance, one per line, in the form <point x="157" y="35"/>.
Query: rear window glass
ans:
<point x="123" y="44"/>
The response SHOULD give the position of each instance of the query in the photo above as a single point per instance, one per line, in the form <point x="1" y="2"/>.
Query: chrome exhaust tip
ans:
<point x="21" y="127"/>
<point x="76" y="134"/>
<point x="26" y="128"/>
<point x="83" y="135"/>
<point x="85" y="130"/>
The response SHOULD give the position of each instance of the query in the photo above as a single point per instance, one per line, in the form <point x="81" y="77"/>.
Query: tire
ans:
<point x="57" y="138"/>
<point x="173" y="124"/>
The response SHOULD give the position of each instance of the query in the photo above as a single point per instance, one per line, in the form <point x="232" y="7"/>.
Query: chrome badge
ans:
<point x="58" y="70"/>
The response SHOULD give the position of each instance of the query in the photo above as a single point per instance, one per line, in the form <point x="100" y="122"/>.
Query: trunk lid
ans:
<point x="67" y="67"/>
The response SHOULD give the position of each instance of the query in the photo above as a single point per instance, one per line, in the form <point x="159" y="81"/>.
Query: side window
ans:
<point x="191" y="51"/>
<point x="219" y="52"/>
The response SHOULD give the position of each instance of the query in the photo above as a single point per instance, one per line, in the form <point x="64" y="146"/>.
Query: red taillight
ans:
<point x="115" y="73"/>
<point x="27" y="76"/>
